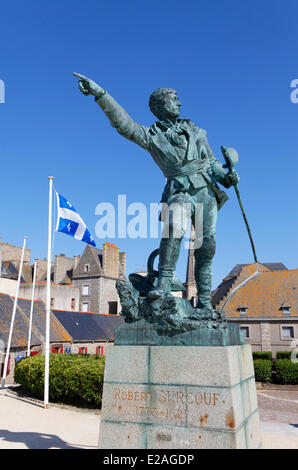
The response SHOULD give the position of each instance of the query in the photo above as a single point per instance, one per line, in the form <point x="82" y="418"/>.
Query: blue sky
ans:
<point x="232" y="64"/>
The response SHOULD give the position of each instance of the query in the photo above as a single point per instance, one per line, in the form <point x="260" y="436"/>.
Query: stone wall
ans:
<point x="41" y="268"/>
<point x="108" y="293"/>
<point x="62" y="295"/>
<point x="267" y="335"/>
<point x="13" y="253"/>
<point x="8" y="286"/>
<point x="61" y="266"/>
<point x="94" y="289"/>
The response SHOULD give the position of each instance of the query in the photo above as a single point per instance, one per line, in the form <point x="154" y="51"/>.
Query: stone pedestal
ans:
<point x="179" y="397"/>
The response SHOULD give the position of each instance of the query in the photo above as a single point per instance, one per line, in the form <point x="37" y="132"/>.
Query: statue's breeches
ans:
<point x="201" y="207"/>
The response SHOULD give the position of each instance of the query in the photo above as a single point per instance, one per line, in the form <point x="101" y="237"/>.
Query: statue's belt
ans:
<point x="186" y="168"/>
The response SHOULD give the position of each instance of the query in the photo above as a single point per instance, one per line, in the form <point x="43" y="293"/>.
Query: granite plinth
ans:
<point x="186" y="397"/>
<point x="144" y="333"/>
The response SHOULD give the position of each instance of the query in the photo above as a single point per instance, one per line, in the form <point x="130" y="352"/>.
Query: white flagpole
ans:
<point x="31" y="311"/>
<point x="48" y="299"/>
<point x="0" y="257"/>
<point x="13" y="315"/>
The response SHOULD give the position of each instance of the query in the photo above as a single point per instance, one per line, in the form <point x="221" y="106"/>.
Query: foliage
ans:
<point x="283" y="354"/>
<point x="263" y="370"/>
<point x="286" y="372"/>
<point x="262" y="355"/>
<point x="73" y="378"/>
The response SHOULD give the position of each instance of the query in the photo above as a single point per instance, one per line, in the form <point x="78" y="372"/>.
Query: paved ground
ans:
<point x="279" y="418"/>
<point x="26" y="425"/>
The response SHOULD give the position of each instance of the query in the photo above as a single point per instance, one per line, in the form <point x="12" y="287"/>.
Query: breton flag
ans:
<point x="70" y="222"/>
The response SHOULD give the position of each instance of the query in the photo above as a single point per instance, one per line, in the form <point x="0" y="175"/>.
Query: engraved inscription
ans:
<point x="162" y="405"/>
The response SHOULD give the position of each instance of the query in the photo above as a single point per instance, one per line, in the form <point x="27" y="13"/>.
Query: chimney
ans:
<point x="76" y="260"/>
<point x="110" y="260"/>
<point x="122" y="260"/>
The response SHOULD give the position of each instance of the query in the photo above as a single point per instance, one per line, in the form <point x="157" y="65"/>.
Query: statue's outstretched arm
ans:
<point x="118" y="117"/>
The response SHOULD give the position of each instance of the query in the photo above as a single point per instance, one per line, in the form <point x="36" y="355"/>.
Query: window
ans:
<point x="52" y="302"/>
<point x="85" y="306"/>
<point x="242" y="310"/>
<point x="113" y="308"/>
<point x="100" y="350"/>
<point x="73" y="304"/>
<point x="87" y="268"/>
<point x="285" y="310"/>
<point x="83" y="350"/>
<point x="86" y="290"/>
<point x="57" y="349"/>
<point x="287" y="332"/>
<point x="245" y="330"/>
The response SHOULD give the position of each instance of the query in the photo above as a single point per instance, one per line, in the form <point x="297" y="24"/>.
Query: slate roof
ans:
<point x="264" y="294"/>
<point x="222" y="290"/>
<point x="226" y="285"/>
<point x="272" y="266"/>
<point x="57" y="332"/>
<point x="84" y="326"/>
<point x="21" y="323"/>
<point x="9" y="271"/>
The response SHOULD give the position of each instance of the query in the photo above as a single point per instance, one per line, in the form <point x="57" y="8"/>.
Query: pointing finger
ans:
<point x="82" y="77"/>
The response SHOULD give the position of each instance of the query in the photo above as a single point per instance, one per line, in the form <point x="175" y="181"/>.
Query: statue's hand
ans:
<point x="89" y="87"/>
<point x="232" y="178"/>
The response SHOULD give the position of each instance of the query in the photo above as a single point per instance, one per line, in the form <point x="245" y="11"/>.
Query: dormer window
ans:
<point x="285" y="310"/>
<point x="242" y="310"/>
<point x="87" y="268"/>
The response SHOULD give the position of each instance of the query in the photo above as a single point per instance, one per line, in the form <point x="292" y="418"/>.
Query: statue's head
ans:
<point x="164" y="103"/>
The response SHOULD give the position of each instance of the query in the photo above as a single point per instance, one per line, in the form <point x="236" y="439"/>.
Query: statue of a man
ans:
<point x="181" y="150"/>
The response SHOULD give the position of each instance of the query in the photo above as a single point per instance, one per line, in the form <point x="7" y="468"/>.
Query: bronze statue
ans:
<point x="181" y="150"/>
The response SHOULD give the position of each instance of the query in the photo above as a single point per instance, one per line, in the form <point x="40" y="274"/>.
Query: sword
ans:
<point x="231" y="158"/>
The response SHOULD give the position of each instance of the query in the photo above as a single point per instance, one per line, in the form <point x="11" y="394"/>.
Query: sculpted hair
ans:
<point x="157" y="98"/>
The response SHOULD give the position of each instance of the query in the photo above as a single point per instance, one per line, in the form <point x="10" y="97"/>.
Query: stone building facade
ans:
<point x="81" y="283"/>
<point x="96" y="275"/>
<point x="13" y="253"/>
<point x="263" y="299"/>
<point x="63" y="297"/>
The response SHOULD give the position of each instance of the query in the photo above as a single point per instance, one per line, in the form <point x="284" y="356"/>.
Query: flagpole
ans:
<point x="0" y="257"/>
<point x="13" y="315"/>
<point x="31" y="311"/>
<point x="48" y="299"/>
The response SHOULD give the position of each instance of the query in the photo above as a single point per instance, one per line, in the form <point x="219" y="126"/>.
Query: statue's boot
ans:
<point x="168" y="256"/>
<point x="203" y="272"/>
